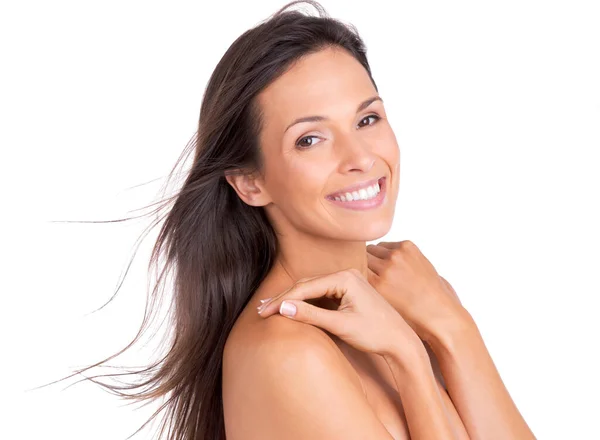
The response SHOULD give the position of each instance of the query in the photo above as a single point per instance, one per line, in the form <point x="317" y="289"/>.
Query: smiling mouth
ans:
<point x="362" y="192"/>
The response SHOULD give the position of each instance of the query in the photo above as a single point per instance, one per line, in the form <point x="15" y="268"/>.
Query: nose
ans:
<point x="355" y="153"/>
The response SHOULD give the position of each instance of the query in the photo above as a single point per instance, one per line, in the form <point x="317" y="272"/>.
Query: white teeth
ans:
<point x="362" y="194"/>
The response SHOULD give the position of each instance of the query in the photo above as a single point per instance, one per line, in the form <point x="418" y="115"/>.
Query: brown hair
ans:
<point x="217" y="247"/>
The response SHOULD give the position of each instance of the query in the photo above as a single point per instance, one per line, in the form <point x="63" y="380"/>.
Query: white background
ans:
<point x="496" y="108"/>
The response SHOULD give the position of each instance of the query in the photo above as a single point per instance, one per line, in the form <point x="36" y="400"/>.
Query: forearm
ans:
<point x="475" y="386"/>
<point x="423" y="406"/>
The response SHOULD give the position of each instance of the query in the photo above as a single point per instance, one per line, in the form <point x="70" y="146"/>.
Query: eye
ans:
<point x="304" y="147"/>
<point x="376" y="117"/>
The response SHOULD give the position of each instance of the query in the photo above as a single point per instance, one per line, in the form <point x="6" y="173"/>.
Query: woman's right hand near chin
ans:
<point x="364" y="319"/>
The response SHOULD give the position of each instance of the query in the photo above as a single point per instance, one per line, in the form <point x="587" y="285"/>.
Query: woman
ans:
<point x="292" y="131"/>
<point x="347" y="373"/>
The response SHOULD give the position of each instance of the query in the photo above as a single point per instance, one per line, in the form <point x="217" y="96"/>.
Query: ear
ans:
<point x="249" y="187"/>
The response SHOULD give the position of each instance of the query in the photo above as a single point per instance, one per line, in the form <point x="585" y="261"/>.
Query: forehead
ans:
<point x="318" y="83"/>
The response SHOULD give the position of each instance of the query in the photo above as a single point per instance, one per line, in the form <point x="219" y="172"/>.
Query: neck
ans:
<point x="309" y="258"/>
<point x="303" y="255"/>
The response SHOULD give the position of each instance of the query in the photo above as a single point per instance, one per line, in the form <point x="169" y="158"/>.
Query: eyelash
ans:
<point x="374" y="115"/>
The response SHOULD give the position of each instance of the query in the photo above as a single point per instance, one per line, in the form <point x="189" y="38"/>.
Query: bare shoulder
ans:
<point x="259" y="343"/>
<point x="287" y="379"/>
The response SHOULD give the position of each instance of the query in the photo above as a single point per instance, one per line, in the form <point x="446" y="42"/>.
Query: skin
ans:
<point x="346" y="149"/>
<point x="261" y="375"/>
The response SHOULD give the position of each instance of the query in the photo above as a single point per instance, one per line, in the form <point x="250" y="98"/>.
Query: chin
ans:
<point x="374" y="231"/>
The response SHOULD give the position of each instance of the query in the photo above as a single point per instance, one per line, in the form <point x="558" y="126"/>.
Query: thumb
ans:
<point x="313" y="315"/>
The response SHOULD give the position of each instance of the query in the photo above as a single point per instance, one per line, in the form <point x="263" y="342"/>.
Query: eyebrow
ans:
<point x="361" y="107"/>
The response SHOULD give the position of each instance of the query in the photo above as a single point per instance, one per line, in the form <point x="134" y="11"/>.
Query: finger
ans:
<point x="276" y="297"/>
<point x="375" y="264"/>
<point x="268" y="301"/>
<point x="309" y="314"/>
<point x="331" y="286"/>
<point x="309" y="278"/>
<point x="378" y="251"/>
<point x="389" y="244"/>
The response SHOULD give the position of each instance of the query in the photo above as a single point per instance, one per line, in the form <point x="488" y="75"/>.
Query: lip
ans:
<point x="356" y="187"/>
<point x="360" y="205"/>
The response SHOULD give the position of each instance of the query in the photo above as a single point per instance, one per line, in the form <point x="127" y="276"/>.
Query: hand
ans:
<point x="364" y="319"/>
<point x="410" y="283"/>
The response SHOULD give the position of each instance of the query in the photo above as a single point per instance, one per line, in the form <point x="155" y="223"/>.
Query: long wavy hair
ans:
<point x="217" y="248"/>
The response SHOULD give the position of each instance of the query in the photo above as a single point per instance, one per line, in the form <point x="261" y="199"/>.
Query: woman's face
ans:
<point x="305" y="162"/>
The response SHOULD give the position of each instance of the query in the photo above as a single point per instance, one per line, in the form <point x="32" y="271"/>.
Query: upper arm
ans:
<point x="302" y="391"/>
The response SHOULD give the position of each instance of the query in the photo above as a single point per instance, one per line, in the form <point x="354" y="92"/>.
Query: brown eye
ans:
<point x="376" y="117"/>
<point x="299" y="141"/>
<point x="301" y="146"/>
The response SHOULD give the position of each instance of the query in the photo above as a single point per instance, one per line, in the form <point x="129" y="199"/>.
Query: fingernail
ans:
<point x="287" y="308"/>
<point x="264" y="304"/>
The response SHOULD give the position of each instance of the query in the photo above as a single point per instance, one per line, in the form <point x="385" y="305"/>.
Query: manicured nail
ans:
<point x="264" y="304"/>
<point x="287" y="308"/>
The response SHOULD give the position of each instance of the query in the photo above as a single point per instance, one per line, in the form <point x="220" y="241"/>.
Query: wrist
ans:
<point x="450" y="332"/>
<point x="412" y="371"/>
<point x="406" y="355"/>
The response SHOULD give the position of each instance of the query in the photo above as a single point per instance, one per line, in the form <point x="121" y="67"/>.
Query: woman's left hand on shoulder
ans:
<point x="410" y="283"/>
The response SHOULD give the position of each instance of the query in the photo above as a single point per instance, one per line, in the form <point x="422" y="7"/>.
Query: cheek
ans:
<point x="388" y="146"/>
<point x="287" y="183"/>
<point x="300" y="188"/>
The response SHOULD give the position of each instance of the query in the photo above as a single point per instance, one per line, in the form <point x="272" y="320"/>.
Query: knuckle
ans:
<point x="355" y="276"/>
<point x="409" y="245"/>
<point x="406" y="243"/>
<point x="396" y="255"/>
<point x="350" y="274"/>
